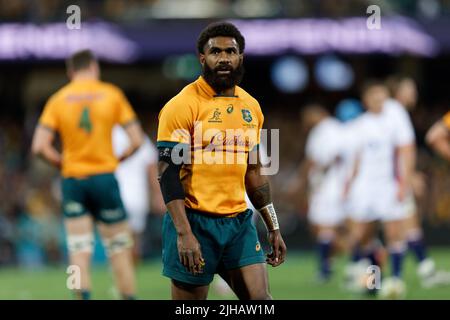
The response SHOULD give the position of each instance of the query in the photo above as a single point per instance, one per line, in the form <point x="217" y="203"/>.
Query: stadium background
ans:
<point x="147" y="47"/>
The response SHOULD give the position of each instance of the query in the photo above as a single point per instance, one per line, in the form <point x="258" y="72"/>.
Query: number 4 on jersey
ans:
<point x="85" y="121"/>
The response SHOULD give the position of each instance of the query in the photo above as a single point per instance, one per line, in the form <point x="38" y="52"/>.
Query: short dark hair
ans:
<point x="313" y="107"/>
<point x="220" y="29"/>
<point x="369" y="84"/>
<point x="393" y="82"/>
<point x="80" y="60"/>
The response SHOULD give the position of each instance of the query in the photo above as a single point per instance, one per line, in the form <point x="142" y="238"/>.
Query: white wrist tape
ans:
<point x="270" y="217"/>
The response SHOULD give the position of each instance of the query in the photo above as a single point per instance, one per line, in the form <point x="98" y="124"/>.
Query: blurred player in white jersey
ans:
<point x="139" y="188"/>
<point x="371" y="250"/>
<point x="375" y="190"/>
<point x="404" y="97"/>
<point x="326" y="179"/>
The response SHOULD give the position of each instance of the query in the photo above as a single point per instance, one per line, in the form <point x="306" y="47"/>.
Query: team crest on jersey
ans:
<point x="258" y="246"/>
<point x="216" y="116"/>
<point x="246" y="115"/>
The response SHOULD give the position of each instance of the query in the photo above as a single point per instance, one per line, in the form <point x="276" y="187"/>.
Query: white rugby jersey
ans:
<point x="397" y="114"/>
<point x="376" y="137"/>
<point x="324" y="147"/>
<point x="132" y="173"/>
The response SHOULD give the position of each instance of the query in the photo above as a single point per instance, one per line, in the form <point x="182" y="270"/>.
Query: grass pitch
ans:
<point x="294" y="280"/>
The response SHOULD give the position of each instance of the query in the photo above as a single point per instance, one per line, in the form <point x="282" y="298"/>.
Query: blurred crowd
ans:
<point x="135" y="10"/>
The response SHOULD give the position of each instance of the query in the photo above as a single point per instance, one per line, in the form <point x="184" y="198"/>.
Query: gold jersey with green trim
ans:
<point x="83" y="113"/>
<point x="219" y="131"/>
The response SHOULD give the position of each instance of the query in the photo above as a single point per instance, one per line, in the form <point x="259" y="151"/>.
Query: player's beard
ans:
<point x="221" y="83"/>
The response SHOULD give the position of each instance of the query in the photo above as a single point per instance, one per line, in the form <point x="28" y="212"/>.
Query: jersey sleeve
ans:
<point x="49" y="117"/>
<point x="176" y="122"/>
<point x="446" y="120"/>
<point x="125" y="113"/>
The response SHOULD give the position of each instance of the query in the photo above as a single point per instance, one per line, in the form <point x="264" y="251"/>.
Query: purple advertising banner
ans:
<point x="56" y="41"/>
<point x="125" y="44"/>
<point x="314" y="36"/>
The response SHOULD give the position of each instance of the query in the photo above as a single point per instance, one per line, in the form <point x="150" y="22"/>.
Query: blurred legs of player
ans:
<point x="325" y="215"/>
<point x="325" y="237"/>
<point x="395" y="238"/>
<point x="137" y="220"/>
<point x="80" y="240"/>
<point x="117" y="240"/>
<point x="97" y="198"/>
<point x="363" y="254"/>
<point x="426" y="269"/>
<point x="394" y="231"/>
<point x="362" y="241"/>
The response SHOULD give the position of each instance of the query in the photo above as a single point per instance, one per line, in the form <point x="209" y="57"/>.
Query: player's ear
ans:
<point x="201" y="58"/>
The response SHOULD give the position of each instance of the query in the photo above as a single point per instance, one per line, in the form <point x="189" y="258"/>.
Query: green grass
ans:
<point x="296" y="279"/>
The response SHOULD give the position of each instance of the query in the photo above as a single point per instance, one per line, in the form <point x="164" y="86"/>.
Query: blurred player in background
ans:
<point x="438" y="137"/>
<point x="348" y="111"/>
<point x="325" y="176"/>
<point x="208" y="228"/>
<point x="404" y="98"/>
<point x="374" y="191"/>
<point x="84" y="113"/>
<point x="138" y="183"/>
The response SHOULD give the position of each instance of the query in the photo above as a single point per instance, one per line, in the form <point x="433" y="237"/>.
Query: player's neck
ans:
<point x="84" y="76"/>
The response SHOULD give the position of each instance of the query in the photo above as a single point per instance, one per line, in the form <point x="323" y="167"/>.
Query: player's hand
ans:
<point x="276" y="257"/>
<point x="190" y="253"/>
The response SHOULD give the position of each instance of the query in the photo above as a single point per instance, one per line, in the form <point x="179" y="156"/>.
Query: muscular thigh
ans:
<point x="250" y="282"/>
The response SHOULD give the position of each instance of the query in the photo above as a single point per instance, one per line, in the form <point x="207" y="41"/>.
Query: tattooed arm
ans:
<point x="258" y="191"/>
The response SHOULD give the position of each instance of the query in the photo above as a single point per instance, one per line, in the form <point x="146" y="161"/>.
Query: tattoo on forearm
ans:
<point x="260" y="196"/>
<point x="253" y="167"/>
